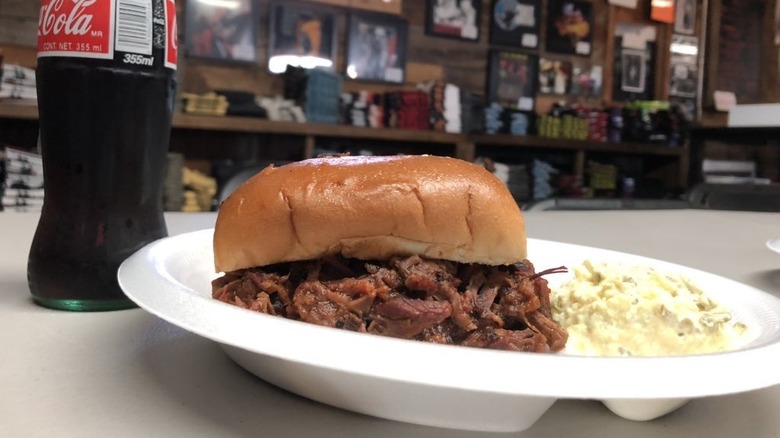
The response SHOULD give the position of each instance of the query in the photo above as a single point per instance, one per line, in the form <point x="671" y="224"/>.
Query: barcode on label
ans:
<point x="134" y="26"/>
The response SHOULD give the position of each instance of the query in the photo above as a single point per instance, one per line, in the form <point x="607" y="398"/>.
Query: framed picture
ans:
<point x="554" y="76"/>
<point x="221" y="31"/>
<point x="457" y="19"/>
<point x="685" y="17"/>
<point x="301" y="35"/>
<point x="684" y="79"/>
<point x="586" y="81"/>
<point x="632" y="73"/>
<point x="512" y="79"/>
<point x="515" y="23"/>
<point x="683" y="60"/>
<point x="569" y="27"/>
<point x="377" y="48"/>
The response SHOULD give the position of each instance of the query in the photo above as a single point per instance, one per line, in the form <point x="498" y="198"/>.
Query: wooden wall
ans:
<point x="463" y="63"/>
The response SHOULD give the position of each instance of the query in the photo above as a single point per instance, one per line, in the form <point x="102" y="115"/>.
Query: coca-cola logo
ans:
<point x="79" y="28"/>
<point x="172" y="35"/>
<point x="75" y="21"/>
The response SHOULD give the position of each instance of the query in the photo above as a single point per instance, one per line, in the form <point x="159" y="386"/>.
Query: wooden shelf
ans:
<point x="589" y="146"/>
<point x="464" y="145"/>
<point x="255" y="125"/>
<point x="18" y="111"/>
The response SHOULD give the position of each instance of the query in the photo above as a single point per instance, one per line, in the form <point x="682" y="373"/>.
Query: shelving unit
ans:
<point x="464" y="146"/>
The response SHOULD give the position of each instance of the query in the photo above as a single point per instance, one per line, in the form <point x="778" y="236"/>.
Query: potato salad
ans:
<point x="628" y="310"/>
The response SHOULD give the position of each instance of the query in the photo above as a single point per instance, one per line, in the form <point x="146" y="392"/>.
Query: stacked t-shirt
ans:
<point x="407" y="110"/>
<point x="18" y="84"/>
<point x="22" y="180"/>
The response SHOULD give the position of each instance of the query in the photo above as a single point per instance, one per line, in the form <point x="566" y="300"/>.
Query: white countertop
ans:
<point x="129" y="374"/>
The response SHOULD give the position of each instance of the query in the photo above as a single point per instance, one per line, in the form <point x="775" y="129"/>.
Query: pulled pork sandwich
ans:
<point x="414" y="247"/>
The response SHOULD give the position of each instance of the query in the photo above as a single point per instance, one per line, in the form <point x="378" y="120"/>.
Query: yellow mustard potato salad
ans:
<point x="629" y="310"/>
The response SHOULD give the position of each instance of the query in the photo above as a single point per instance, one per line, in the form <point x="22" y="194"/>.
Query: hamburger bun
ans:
<point x="370" y="208"/>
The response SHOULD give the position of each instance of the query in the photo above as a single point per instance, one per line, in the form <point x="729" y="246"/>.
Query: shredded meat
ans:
<point x="499" y="307"/>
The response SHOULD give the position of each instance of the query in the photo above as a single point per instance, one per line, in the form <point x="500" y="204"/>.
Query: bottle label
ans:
<point x="171" y="35"/>
<point x="100" y="28"/>
<point x="79" y="28"/>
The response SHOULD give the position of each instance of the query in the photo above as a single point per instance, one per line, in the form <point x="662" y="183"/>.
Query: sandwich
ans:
<point x="415" y="247"/>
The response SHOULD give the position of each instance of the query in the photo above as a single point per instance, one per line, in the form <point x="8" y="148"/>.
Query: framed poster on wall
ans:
<point x="569" y="27"/>
<point x="685" y="17"/>
<point x="632" y="73"/>
<point x="223" y="32"/>
<point x="515" y="23"/>
<point x="301" y="35"/>
<point x="512" y="79"/>
<point x="376" y="48"/>
<point x="458" y="19"/>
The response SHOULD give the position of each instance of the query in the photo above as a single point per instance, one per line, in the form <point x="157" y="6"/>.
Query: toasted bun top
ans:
<point x="370" y="208"/>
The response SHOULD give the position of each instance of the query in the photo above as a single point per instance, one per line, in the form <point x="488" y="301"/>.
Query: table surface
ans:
<point x="130" y="374"/>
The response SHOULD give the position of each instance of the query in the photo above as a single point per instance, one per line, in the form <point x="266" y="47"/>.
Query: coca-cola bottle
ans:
<point x="106" y="88"/>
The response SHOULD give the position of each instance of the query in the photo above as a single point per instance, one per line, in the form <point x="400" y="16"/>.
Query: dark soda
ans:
<point x="105" y="124"/>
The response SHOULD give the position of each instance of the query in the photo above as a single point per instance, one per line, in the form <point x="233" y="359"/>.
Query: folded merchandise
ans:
<point x="212" y="104"/>
<point x="519" y="124"/>
<point x="24" y="193"/>
<point x="472" y="112"/>
<point x="279" y="109"/>
<point x="242" y="103"/>
<point x="22" y="170"/>
<point x="407" y="110"/>
<point x="17" y="75"/>
<point x="316" y="91"/>
<point x="21" y="204"/>
<point x="542" y="174"/>
<point x="26" y="182"/>
<point x="18" y="92"/>
<point x="494" y="122"/>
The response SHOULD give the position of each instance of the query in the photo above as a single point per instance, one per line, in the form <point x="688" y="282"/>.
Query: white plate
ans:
<point x="774" y="245"/>
<point x="447" y="386"/>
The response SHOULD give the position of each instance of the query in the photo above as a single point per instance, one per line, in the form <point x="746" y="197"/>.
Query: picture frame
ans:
<point x="683" y="79"/>
<point x="512" y="79"/>
<point x="685" y="17"/>
<point x="222" y="32"/>
<point x="684" y="68"/>
<point x="632" y="70"/>
<point x="376" y="48"/>
<point x="457" y="19"/>
<point x="555" y="76"/>
<point x="586" y="81"/>
<point x="515" y="23"/>
<point x="301" y="35"/>
<point x="569" y="27"/>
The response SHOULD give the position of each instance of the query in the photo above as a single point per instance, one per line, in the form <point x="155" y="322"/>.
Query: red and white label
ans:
<point x="171" y="35"/>
<point x="78" y="28"/>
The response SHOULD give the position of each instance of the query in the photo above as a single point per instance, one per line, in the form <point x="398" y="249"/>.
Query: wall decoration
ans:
<point x="224" y="32"/>
<point x="683" y="60"/>
<point x="569" y="27"/>
<point x="515" y="23"/>
<point x="554" y="76"/>
<point x="683" y="80"/>
<point x="376" y="48"/>
<point x="586" y="81"/>
<point x="662" y="10"/>
<point x="632" y="77"/>
<point x="685" y="17"/>
<point x="512" y="79"/>
<point x="458" y="19"/>
<point x="301" y="35"/>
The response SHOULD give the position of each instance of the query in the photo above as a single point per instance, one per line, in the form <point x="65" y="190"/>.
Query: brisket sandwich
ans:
<point x="415" y="247"/>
